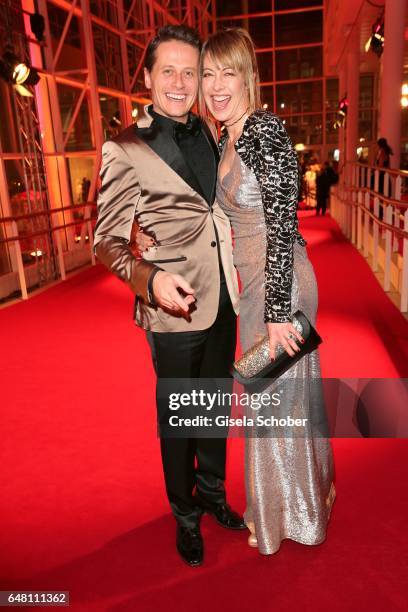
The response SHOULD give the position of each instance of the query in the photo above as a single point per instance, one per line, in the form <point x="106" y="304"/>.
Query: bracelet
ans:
<point x="150" y="293"/>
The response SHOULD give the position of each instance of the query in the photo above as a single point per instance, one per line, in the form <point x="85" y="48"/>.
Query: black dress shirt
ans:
<point x="196" y="149"/>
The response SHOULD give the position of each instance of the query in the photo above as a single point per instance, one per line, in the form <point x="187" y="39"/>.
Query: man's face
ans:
<point x="173" y="80"/>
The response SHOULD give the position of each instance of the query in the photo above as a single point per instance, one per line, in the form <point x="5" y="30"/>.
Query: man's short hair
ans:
<point x="167" y="33"/>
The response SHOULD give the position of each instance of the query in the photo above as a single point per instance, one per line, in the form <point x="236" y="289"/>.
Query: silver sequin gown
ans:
<point x="289" y="480"/>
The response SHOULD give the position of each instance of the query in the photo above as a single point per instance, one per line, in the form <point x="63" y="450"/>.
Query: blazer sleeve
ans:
<point x="278" y="176"/>
<point x="117" y="203"/>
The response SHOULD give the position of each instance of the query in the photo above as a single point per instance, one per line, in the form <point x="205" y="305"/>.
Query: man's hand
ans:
<point x="167" y="295"/>
<point x="284" y="334"/>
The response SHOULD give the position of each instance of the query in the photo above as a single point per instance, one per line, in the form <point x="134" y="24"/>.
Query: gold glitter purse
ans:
<point x="256" y="364"/>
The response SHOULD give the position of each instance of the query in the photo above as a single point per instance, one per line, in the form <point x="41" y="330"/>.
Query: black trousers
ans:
<point x="321" y="204"/>
<point x="190" y="463"/>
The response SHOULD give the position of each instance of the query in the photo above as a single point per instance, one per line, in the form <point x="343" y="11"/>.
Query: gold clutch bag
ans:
<point x="256" y="364"/>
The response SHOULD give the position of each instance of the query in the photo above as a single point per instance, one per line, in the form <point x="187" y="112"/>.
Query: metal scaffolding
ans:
<point x="91" y="87"/>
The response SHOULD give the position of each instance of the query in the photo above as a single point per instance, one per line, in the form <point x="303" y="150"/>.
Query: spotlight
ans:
<point x="343" y="106"/>
<point x="376" y="41"/>
<point x="341" y="113"/>
<point x="37" y="24"/>
<point x="115" y="121"/>
<point x="14" y="71"/>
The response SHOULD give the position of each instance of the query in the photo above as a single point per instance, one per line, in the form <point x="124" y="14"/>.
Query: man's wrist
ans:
<point x="150" y="292"/>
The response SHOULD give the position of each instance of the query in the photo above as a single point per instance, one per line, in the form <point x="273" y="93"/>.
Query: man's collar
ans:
<point x="177" y="128"/>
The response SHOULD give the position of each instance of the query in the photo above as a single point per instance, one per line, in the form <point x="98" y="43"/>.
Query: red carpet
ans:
<point x="82" y="501"/>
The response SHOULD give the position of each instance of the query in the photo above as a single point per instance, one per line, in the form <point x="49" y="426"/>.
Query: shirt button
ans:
<point x="213" y="243"/>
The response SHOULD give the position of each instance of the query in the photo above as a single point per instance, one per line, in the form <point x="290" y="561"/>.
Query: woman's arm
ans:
<point x="266" y="148"/>
<point x="278" y="178"/>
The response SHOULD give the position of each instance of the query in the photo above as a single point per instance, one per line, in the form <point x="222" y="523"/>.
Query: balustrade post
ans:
<point x="388" y="250"/>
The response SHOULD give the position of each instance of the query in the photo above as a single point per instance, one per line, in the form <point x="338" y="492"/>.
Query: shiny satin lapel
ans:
<point x="170" y="153"/>
<point x="213" y="145"/>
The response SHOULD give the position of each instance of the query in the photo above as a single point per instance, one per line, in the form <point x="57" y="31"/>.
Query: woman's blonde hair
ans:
<point x="234" y="48"/>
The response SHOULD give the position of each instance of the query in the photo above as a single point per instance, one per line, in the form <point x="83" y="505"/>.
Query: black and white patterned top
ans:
<point x="265" y="147"/>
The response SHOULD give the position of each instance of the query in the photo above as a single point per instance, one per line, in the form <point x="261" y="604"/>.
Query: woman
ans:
<point x="289" y="481"/>
<point x="382" y="160"/>
<point x="384" y="152"/>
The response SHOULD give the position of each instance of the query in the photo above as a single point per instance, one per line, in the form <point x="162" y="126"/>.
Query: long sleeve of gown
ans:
<point x="266" y="147"/>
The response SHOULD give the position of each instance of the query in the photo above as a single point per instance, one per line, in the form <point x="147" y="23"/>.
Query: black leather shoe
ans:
<point x="223" y="514"/>
<point x="190" y="545"/>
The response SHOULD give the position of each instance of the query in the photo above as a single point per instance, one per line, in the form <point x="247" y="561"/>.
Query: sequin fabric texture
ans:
<point x="288" y="477"/>
<point x="265" y="147"/>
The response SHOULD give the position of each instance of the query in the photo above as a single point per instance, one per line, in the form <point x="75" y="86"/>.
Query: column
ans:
<point x="342" y="130"/>
<point x="392" y="70"/>
<point x="353" y="91"/>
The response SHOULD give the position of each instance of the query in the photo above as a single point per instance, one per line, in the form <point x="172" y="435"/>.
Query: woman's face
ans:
<point x="224" y="91"/>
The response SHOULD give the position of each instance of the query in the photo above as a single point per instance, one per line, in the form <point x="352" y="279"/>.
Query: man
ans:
<point x="162" y="173"/>
<point x="322" y="190"/>
<point x="324" y="180"/>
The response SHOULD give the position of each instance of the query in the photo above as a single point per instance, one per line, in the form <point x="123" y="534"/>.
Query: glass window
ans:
<point x="80" y="172"/>
<point x="134" y="58"/>
<point x="287" y="99"/>
<point x="287" y="66"/>
<point x="282" y="5"/>
<point x="80" y="137"/>
<point x="310" y="62"/>
<point x="111" y="116"/>
<point x="23" y="202"/>
<point x="365" y="124"/>
<point x="106" y="10"/>
<point x="265" y="66"/>
<point x="8" y="121"/>
<point x="299" y="97"/>
<point x="225" y="9"/>
<point x="72" y="56"/>
<point x="5" y="262"/>
<point x="260" y="29"/>
<point x="298" y="63"/>
<point x="299" y="28"/>
<point x="332" y="133"/>
<point x="107" y="57"/>
<point x="366" y="91"/>
<point x="234" y="23"/>
<point x="267" y="97"/>
<point x="305" y="129"/>
<point x="258" y="6"/>
<point x="332" y="94"/>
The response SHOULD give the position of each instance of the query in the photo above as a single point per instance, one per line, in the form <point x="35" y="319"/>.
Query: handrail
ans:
<point x="395" y="230"/>
<point x="375" y="194"/>
<point x="86" y="222"/>
<point x="40" y="233"/>
<point x="396" y="172"/>
<point x="43" y="213"/>
<point x="357" y="209"/>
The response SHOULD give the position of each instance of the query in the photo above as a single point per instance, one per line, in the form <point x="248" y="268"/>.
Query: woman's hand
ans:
<point x="283" y="334"/>
<point x="144" y="241"/>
